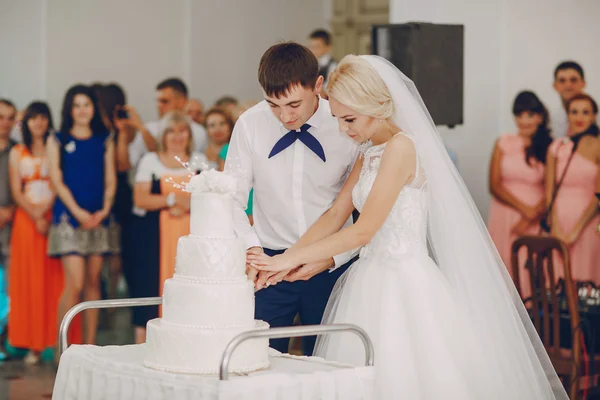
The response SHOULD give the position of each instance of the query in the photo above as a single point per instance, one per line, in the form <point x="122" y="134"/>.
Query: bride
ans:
<point x="429" y="287"/>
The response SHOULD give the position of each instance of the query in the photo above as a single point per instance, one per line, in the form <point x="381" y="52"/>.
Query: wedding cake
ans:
<point x="209" y="300"/>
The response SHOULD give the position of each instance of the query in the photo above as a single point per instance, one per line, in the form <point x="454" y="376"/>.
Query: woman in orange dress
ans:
<point x="174" y="221"/>
<point x="575" y="160"/>
<point x="36" y="280"/>
<point x="517" y="180"/>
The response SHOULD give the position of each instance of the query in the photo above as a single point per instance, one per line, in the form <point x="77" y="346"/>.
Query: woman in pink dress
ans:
<point x="574" y="160"/>
<point x="517" y="179"/>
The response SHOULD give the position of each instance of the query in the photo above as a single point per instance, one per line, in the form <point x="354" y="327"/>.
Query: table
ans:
<point x="89" y="372"/>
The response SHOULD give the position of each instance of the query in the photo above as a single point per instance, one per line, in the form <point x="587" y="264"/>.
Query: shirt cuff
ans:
<point x="251" y="240"/>
<point x="343" y="258"/>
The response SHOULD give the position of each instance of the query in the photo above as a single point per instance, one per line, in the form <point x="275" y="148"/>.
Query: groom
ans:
<point x="290" y="150"/>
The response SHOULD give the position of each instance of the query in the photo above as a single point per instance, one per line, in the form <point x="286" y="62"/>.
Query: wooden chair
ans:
<point x="545" y="307"/>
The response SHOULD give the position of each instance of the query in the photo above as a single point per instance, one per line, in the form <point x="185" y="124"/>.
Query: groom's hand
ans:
<point x="250" y="270"/>
<point x="269" y="278"/>
<point x="307" y="271"/>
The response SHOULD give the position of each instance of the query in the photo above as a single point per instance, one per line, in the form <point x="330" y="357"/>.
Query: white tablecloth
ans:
<point x="117" y="373"/>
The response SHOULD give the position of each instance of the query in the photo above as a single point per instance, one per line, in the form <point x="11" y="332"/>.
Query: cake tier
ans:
<point x="211" y="215"/>
<point x="200" y="257"/>
<point x="208" y="305"/>
<point x="199" y="351"/>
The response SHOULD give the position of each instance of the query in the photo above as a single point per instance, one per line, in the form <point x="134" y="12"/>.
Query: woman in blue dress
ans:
<point x="82" y="171"/>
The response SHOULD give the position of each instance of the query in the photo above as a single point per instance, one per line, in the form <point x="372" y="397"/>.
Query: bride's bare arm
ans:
<point x="396" y="170"/>
<point x="334" y="218"/>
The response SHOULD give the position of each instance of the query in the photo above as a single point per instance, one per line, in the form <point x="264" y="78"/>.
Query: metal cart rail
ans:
<point x="273" y="333"/>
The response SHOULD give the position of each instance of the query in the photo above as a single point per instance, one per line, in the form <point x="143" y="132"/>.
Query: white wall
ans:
<point x="22" y="59"/>
<point x="229" y="52"/>
<point x="136" y="43"/>
<point x="510" y="45"/>
<point x="48" y="45"/>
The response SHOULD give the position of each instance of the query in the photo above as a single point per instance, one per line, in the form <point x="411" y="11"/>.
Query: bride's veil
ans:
<point x="462" y="248"/>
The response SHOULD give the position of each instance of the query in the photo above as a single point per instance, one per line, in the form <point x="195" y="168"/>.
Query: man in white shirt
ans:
<point x="568" y="82"/>
<point x="320" y="45"/>
<point x="171" y="95"/>
<point x="290" y="150"/>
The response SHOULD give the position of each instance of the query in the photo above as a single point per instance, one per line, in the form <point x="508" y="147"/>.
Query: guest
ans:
<point x="174" y="221"/>
<point x="195" y="110"/>
<point x="572" y="178"/>
<point x="321" y="46"/>
<point x="120" y="117"/>
<point x="517" y="179"/>
<point x="219" y="126"/>
<point x="82" y="170"/>
<point x="157" y="205"/>
<point x="112" y="100"/>
<point x="230" y="104"/>
<point x="149" y="229"/>
<point x="7" y="121"/>
<point x="568" y="81"/>
<point x="227" y="103"/>
<point x="36" y="283"/>
<point x="141" y="250"/>
<point x="171" y="95"/>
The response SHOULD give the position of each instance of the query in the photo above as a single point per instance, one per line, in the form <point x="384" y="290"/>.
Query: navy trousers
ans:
<point x="279" y="304"/>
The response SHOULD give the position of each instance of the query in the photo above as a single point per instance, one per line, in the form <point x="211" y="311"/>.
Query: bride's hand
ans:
<point x="263" y="262"/>
<point x="269" y="278"/>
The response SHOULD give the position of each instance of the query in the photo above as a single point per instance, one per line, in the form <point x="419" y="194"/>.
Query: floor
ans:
<point x="21" y="382"/>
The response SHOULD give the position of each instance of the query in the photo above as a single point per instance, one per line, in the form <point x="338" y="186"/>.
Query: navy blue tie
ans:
<point x="304" y="136"/>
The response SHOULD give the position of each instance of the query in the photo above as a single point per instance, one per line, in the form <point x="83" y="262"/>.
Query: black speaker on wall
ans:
<point x="431" y="55"/>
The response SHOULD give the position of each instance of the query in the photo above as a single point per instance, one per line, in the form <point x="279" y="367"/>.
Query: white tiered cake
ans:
<point x="209" y="300"/>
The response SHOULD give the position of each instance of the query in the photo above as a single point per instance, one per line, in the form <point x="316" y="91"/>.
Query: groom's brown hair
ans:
<point x="285" y="65"/>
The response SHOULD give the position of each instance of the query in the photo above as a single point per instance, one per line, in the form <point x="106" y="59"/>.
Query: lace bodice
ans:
<point x="404" y="231"/>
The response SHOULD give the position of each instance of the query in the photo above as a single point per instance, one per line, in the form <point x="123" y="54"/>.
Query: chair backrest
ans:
<point x="543" y="281"/>
<point x="543" y="284"/>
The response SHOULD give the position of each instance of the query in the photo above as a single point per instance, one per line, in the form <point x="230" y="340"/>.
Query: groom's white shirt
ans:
<point x="295" y="187"/>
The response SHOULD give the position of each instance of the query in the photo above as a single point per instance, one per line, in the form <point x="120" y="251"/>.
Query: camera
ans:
<point x="122" y="114"/>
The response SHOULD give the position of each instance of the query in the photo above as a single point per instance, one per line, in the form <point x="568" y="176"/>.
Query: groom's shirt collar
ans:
<point x="316" y="121"/>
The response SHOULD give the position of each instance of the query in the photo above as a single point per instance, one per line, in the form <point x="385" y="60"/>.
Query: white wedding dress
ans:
<point x="426" y="346"/>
